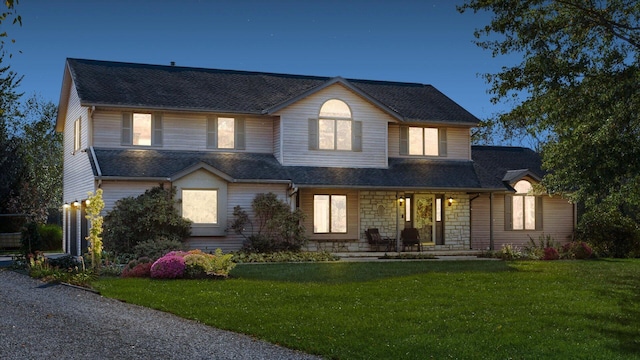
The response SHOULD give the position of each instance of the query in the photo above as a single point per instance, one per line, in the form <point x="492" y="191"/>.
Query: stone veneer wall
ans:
<point x="457" y="223"/>
<point x="377" y="210"/>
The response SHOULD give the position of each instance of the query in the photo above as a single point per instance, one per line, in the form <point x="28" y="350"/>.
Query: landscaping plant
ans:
<point x="95" y="204"/>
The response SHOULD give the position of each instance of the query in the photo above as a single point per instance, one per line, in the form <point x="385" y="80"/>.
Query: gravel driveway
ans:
<point x="39" y="320"/>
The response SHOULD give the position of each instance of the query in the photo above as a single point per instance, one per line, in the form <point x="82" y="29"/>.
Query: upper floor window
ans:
<point x="77" y="135"/>
<point x="423" y="141"/>
<point x="225" y="133"/>
<point x="523" y="210"/>
<point x="335" y="129"/>
<point x="141" y="129"/>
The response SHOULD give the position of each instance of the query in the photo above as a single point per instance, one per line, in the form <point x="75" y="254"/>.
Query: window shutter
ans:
<point x="126" y="129"/>
<point x="356" y="134"/>
<point x="313" y="134"/>
<point x="212" y="132"/>
<point x="508" y="209"/>
<point x="240" y="134"/>
<point x="442" y="142"/>
<point x="404" y="140"/>
<point x="156" y="139"/>
<point x="539" y="212"/>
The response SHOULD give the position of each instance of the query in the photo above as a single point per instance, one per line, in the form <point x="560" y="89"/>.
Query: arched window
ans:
<point x="524" y="207"/>
<point x="335" y="126"/>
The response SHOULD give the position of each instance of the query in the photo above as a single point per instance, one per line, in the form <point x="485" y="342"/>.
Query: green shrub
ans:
<point x="611" y="233"/>
<point x="155" y="249"/>
<point x="274" y="227"/>
<point x="51" y="236"/>
<point x="538" y="250"/>
<point x="283" y="256"/>
<point x="576" y="250"/>
<point x="509" y="252"/>
<point x="64" y="262"/>
<point x="150" y="216"/>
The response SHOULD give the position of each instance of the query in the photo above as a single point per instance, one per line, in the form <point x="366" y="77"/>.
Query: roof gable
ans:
<point x="117" y="84"/>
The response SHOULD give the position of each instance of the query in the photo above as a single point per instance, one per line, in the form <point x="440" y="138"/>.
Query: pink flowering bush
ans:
<point x="170" y="266"/>
<point x="192" y="264"/>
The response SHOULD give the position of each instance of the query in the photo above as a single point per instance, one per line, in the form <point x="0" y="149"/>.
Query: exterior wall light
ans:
<point x="401" y="200"/>
<point x="87" y="202"/>
<point x="450" y="200"/>
<point x="76" y="203"/>
<point x="65" y="206"/>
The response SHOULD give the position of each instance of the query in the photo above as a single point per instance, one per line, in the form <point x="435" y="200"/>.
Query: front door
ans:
<point x="423" y="216"/>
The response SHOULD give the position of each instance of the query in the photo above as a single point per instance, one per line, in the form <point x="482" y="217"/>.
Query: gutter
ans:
<point x="98" y="170"/>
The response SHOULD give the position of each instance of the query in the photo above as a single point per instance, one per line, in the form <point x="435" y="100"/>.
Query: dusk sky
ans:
<point x="424" y="41"/>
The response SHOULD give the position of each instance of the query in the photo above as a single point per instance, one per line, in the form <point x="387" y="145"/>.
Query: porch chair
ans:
<point x="376" y="240"/>
<point x="410" y="237"/>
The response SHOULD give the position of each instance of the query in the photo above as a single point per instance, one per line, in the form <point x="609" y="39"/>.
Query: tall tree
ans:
<point x="576" y="89"/>
<point x="40" y="147"/>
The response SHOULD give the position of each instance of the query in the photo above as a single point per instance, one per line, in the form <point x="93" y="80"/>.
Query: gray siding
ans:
<point x="182" y="131"/>
<point x="77" y="174"/>
<point x="458" y="143"/>
<point x="558" y="222"/>
<point x="295" y="125"/>
<point x="353" y="214"/>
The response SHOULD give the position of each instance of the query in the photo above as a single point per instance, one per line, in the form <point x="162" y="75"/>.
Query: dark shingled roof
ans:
<point x="488" y="170"/>
<point x="182" y="88"/>
<point x="402" y="173"/>
<point x="495" y="162"/>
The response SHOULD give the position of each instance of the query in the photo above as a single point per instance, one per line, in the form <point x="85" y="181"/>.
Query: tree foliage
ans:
<point x="95" y="204"/>
<point x="148" y="217"/>
<point x="37" y="160"/>
<point x="274" y="227"/>
<point x="576" y="90"/>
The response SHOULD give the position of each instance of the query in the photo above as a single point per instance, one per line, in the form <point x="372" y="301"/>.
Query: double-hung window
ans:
<point x="523" y="211"/>
<point x="334" y="129"/>
<point x="423" y="141"/>
<point x="329" y="214"/>
<point x="225" y="133"/>
<point x="141" y="129"/>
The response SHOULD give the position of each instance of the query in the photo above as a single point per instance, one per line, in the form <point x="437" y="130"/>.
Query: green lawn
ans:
<point x="416" y="310"/>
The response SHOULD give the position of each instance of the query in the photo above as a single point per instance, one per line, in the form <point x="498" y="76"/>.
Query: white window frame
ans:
<point x="77" y="134"/>
<point x="523" y="207"/>
<point x="426" y="147"/>
<point x="200" y="194"/>
<point x="329" y="214"/>
<point x="336" y="120"/>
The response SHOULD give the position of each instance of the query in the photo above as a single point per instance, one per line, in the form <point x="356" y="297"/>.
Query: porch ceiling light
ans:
<point x="450" y="200"/>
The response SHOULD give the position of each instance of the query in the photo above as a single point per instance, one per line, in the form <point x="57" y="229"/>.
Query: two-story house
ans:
<point x="351" y="154"/>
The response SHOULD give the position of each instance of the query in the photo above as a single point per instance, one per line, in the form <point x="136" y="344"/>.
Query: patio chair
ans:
<point x="376" y="240"/>
<point x="410" y="237"/>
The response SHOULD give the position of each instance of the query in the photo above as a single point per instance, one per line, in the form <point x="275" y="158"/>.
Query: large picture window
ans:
<point x="200" y="206"/>
<point x="329" y="213"/>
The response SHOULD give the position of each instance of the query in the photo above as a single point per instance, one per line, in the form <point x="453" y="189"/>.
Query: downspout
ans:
<point x="491" y="246"/>
<point x="397" y="206"/>
<point x="471" y="220"/>
<point x="98" y="171"/>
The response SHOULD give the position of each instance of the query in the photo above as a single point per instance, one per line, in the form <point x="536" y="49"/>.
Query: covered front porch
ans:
<point x="338" y="220"/>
